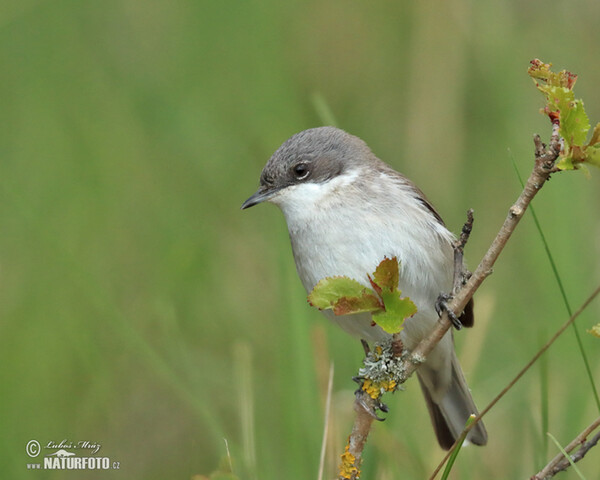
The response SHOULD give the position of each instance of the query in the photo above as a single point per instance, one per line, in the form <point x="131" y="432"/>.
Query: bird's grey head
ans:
<point x="313" y="156"/>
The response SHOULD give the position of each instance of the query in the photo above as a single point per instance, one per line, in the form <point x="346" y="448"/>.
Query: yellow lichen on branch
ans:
<point x="376" y="389"/>
<point x="348" y="468"/>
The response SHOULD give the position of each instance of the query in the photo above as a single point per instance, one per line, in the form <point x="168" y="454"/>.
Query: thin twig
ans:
<point x="459" y="248"/>
<point x="579" y="454"/>
<point x="560" y="462"/>
<point x="520" y="374"/>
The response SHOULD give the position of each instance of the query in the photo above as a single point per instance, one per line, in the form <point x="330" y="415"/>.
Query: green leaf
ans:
<point x="397" y="309"/>
<point x="330" y="289"/>
<point x="574" y="123"/>
<point x="454" y="454"/>
<point x="565" y="163"/>
<point x="559" y="98"/>
<point x="367" y="302"/>
<point x="387" y="274"/>
<point x="344" y="296"/>
<point x="385" y="281"/>
<point x="562" y="108"/>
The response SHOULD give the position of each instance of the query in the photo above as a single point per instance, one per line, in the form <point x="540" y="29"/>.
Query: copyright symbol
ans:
<point x="33" y="448"/>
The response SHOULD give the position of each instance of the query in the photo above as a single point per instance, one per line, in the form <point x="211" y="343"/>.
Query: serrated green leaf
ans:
<point x="558" y="97"/>
<point x="579" y="157"/>
<point x="347" y="296"/>
<point x="367" y="302"/>
<point x="397" y="309"/>
<point x="561" y="105"/>
<point x="344" y="294"/>
<point x="388" y="322"/>
<point x="574" y="123"/>
<point x="330" y="289"/>
<point x="386" y="274"/>
<point x="566" y="163"/>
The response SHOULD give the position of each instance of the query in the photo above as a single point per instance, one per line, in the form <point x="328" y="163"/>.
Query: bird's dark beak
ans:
<point x="262" y="194"/>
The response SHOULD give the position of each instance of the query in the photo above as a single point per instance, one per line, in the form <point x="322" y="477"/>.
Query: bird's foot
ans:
<point x="370" y="404"/>
<point x="441" y="305"/>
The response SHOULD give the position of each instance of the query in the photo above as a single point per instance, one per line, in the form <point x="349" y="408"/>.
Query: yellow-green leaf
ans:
<point x="397" y="310"/>
<point x="558" y="98"/>
<point x="387" y="274"/>
<point x="366" y="302"/>
<point x="346" y="296"/>
<point x="565" y="163"/>
<point x="343" y="295"/>
<point x="574" y="123"/>
<point x="568" y="112"/>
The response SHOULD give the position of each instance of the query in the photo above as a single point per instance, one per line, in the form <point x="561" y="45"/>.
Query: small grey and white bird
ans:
<point x="346" y="210"/>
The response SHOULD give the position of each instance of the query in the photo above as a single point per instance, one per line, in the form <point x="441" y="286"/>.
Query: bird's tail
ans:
<point x="450" y="412"/>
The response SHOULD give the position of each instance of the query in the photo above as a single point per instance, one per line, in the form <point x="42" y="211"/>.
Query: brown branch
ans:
<point x="364" y="406"/>
<point x="545" y="158"/>
<point x="560" y="462"/>
<point x="558" y="333"/>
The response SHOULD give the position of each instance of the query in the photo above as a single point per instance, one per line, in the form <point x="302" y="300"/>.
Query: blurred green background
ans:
<point x="142" y="310"/>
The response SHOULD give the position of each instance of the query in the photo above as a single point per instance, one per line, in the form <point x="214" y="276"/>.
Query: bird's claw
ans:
<point x="441" y="305"/>
<point x="365" y="346"/>
<point x="370" y="405"/>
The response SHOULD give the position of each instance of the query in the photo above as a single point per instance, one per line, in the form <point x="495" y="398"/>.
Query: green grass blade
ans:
<point x="455" y="452"/>
<point x="543" y="364"/>
<point x="567" y="456"/>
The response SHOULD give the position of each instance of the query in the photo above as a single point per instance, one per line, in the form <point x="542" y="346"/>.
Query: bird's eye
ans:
<point x="300" y="171"/>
